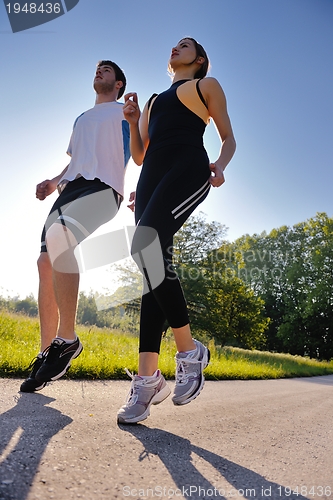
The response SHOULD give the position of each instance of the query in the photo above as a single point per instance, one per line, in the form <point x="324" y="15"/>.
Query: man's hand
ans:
<point x="132" y="200"/>
<point x="45" y="188"/>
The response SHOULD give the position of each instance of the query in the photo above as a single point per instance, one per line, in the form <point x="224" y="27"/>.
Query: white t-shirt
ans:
<point x="99" y="146"/>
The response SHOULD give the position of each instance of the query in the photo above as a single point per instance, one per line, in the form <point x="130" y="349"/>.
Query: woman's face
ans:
<point x="183" y="53"/>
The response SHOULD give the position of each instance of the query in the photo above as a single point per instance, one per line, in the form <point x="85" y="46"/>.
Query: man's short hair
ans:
<point x="118" y="72"/>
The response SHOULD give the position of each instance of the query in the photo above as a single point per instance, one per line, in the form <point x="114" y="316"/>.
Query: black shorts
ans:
<point x="83" y="206"/>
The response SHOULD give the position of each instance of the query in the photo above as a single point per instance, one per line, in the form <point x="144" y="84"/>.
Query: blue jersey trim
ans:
<point x="77" y="119"/>
<point x="126" y="141"/>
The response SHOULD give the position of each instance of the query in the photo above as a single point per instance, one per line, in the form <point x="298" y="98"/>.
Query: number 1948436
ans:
<point x="34" y="8"/>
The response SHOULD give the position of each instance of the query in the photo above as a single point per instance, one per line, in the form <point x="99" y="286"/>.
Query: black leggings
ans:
<point x="173" y="182"/>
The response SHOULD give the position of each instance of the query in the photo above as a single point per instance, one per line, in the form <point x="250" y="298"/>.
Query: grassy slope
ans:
<point x="106" y="353"/>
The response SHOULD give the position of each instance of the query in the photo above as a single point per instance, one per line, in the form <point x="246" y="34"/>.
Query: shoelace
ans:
<point x="46" y="350"/>
<point x="34" y="360"/>
<point x="134" y="387"/>
<point x="130" y="374"/>
<point x="45" y="353"/>
<point x="181" y="373"/>
<point x="51" y="351"/>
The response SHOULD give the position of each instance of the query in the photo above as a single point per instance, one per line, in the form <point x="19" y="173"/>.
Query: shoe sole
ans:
<point x="39" y="388"/>
<point x="206" y="359"/>
<point x="157" y="399"/>
<point x="67" y="367"/>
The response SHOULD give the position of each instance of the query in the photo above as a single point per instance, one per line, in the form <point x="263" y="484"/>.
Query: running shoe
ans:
<point x="189" y="374"/>
<point x="143" y="393"/>
<point x="31" y="384"/>
<point x="58" y="359"/>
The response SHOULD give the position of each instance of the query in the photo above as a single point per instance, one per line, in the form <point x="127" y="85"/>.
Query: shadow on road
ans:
<point x="26" y="430"/>
<point x="176" y="452"/>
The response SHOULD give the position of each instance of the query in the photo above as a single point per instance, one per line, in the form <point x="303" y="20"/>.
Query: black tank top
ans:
<point x="171" y="122"/>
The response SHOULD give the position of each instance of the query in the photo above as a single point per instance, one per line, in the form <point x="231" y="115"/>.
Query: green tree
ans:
<point x="220" y="304"/>
<point x="27" y="306"/>
<point x="196" y="239"/>
<point x="87" y="310"/>
<point x="291" y="269"/>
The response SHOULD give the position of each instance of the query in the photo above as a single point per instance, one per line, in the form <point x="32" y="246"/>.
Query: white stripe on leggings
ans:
<point x="203" y="188"/>
<point x="75" y="223"/>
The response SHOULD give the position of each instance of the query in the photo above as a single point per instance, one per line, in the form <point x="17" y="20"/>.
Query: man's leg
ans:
<point x="57" y="300"/>
<point x="81" y="218"/>
<point x="77" y="220"/>
<point x="61" y="244"/>
<point x="66" y="289"/>
<point x="47" y="305"/>
<point x="48" y="317"/>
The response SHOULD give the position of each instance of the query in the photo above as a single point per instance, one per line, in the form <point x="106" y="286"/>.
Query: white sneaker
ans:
<point x="143" y="393"/>
<point x="189" y="374"/>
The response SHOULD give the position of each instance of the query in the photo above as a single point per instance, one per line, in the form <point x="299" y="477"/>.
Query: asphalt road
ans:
<point x="238" y="439"/>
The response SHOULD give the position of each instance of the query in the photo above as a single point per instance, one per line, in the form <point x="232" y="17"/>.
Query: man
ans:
<point x="91" y="189"/>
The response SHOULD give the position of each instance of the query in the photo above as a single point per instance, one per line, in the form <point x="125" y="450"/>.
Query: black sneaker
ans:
<point x="58" y="359"/>
<point x="31" y="384"/>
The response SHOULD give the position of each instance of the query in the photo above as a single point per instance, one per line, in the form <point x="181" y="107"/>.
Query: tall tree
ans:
<point x="219" y="303"/>
<point x="291" y="269"/>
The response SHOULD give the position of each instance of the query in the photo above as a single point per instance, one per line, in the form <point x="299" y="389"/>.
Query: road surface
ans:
<point x="238" y="439"/>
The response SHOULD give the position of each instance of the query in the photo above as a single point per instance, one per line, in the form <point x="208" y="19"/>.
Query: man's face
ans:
<point x="105" y="80"/>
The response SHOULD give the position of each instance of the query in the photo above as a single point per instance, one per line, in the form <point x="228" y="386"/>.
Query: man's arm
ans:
<point x="45" y="188"/>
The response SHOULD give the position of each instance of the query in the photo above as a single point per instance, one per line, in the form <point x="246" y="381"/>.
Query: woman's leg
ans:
<point x="164" y="206"/>
<point x="168" y="208"/>
<point x="152" y="319"/>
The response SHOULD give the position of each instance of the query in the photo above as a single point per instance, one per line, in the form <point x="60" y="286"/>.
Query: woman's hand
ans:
<point x="132" y="200"/>
<point x="217" y="176"/>
<point x="131" y="108"/>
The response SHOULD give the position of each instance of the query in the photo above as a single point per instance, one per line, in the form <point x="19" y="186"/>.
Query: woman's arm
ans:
<point x="138" y="125"/>
<point x="217" y="108"/>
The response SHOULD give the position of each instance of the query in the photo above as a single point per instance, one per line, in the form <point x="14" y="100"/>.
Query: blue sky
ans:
<point x="273" y="59"/>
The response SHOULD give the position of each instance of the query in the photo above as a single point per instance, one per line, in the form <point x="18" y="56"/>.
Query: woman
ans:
<point x="176" y="177"/>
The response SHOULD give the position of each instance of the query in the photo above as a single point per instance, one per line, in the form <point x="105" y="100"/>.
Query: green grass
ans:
<point x="106" y="353"/>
